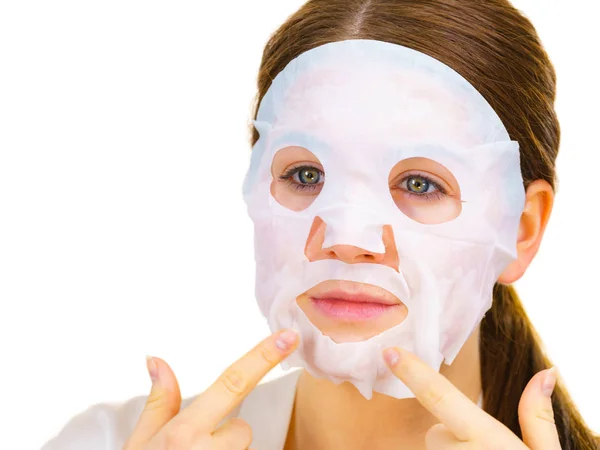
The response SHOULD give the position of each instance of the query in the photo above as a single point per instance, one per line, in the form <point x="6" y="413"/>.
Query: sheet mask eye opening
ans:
<point x="297" y="177"/>
<point x="425" y="191"/>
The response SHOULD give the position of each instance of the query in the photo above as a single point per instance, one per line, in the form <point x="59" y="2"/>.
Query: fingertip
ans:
<point x="152" y="369"/>
<point x="549" y="381"/>
<point x="162" y="375"/>
<point x="391" y="356"/>
<point x="286" y="339"/>
<point x="537" y="394"/>
<point x="162" y="403"/>
<point x="536" y="413"/>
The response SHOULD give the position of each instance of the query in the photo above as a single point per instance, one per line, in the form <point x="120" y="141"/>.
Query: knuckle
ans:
<point x="269" y="355"/>
<point x="234" y="381"/>
<point x="546" y="414"/>
<point x="156" y="402"/>
<point x="438" y="398"/>
<point x="153" y="402"/>
<point x="179" y="437"/>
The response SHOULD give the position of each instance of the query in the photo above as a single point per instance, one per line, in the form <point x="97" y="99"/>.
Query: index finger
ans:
<point x="437" y="394"/>
<point x="237" y="381"/>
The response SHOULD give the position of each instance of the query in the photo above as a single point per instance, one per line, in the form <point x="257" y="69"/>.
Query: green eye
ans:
<point x="303" y="178"/>
<point x="309" y="176"/>
<point x="418" y="185"/>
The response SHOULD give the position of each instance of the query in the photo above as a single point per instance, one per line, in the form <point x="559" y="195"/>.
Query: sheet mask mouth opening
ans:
<point x="347" y="311"/>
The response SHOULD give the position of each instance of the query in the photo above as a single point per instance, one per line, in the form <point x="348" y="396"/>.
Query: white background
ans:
<point x="123" y="144"/>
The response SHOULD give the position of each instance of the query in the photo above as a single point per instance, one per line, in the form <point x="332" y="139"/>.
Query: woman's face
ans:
<point x="421" y="188"/>
<point x="386" y="196"/>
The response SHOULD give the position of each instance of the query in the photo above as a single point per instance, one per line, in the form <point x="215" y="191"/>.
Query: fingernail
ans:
<point x="152" y="368"/>
<point x="286" y="340"/>
<point x="549" y="382"/>
<point x="391" y="356"/>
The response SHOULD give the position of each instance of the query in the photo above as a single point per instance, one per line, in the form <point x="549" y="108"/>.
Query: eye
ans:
<point x="417" y="184"/>
<point x="307" y="176"/>
<point x="421" y="186"/>
<point x="303" y="177"/>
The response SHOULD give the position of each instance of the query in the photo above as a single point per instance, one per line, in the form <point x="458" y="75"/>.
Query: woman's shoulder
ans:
<point x="103" y="426"/>
<point x="100" y="427"/>
<point x="106" y="426"/>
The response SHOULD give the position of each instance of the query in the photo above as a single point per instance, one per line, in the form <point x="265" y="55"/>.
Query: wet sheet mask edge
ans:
<point x="360" y="107"/>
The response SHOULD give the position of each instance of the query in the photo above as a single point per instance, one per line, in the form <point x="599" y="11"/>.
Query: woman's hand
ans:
<point x="163" y="426"/>
<point x="463" y="424"/>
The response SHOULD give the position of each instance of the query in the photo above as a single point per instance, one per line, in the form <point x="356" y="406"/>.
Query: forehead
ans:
<point x="384" y="105"/>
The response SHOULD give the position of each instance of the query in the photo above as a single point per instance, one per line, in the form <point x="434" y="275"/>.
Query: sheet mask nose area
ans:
<point x="297" y="177"/>
<point x="425" y="191"/>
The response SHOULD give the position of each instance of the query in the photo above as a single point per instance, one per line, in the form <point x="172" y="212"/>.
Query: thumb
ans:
<point x="536" y="415"/>
<point x="162" y="404"/>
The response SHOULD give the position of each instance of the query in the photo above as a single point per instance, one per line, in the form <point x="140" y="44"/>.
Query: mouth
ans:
<point x="351" y="306"/>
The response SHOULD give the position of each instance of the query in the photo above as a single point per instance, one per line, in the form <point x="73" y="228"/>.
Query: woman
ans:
<point x="501" y="366"/>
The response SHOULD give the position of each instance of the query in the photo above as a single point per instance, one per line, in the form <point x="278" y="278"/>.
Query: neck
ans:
<point x="329" y="416"/>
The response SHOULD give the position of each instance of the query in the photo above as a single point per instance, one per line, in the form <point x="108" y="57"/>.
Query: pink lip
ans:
<point x="350" y="307"/>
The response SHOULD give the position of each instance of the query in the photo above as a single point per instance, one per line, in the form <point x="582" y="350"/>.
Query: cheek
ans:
<point x="433" y="264"/>
<point x="282" y="242"/>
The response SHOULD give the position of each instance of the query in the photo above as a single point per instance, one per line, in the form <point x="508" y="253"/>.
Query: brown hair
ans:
<point x="496" y="48"/>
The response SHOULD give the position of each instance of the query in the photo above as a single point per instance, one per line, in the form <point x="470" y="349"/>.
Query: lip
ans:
<point x="361" y="297"/>
<point x="352" y="307"/>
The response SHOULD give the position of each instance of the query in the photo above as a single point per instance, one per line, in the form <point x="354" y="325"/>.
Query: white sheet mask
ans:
<point x="361" y="107"/>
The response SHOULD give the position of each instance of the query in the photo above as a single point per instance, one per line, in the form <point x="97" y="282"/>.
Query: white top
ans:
<point x="106" y="426"/>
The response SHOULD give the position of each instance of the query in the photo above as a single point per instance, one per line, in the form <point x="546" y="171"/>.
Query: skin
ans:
<point x="442" y="416"/>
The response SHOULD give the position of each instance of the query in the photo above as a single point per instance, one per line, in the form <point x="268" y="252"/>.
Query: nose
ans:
<point x="350" y="254"/>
